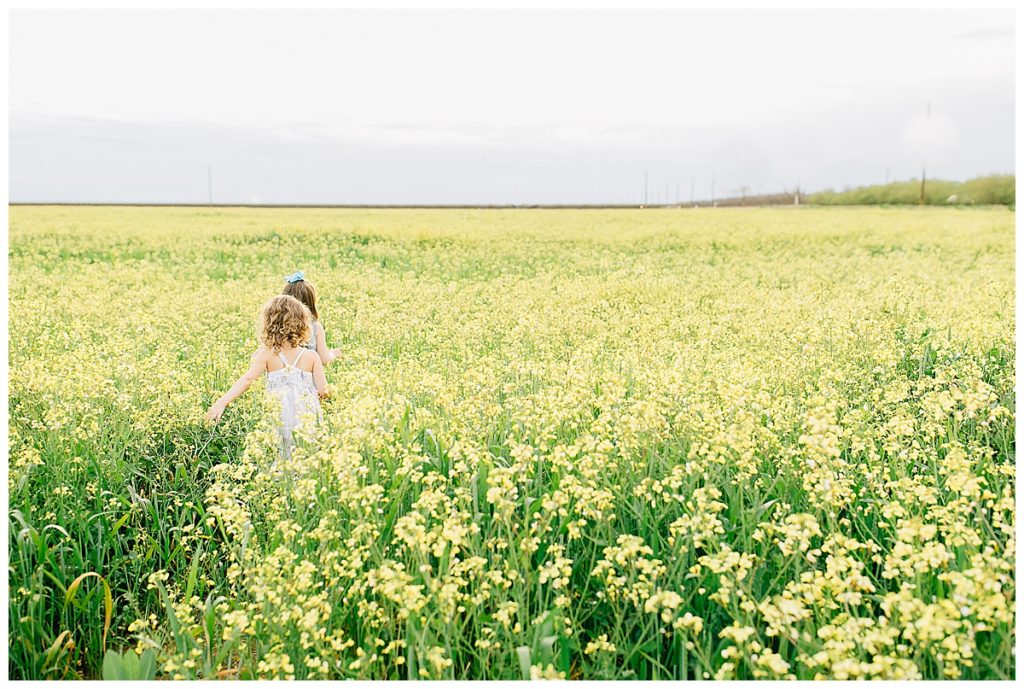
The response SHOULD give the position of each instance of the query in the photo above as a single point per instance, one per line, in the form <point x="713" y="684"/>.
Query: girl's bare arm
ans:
<point x="326" y="355"/>
<point x="319" y="378"/>
<point x="256" y="369"/>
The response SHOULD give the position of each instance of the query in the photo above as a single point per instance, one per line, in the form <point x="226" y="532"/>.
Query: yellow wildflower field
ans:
<point x="597" y="444"/>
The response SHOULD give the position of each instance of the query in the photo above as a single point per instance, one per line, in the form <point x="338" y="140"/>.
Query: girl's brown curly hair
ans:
<point x="284" y="321"/>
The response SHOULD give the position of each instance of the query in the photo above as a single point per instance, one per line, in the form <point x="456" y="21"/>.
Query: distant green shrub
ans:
<point x="982" y="191"/>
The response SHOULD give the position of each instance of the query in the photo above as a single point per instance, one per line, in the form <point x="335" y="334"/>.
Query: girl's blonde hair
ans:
<point x="284" y="321"/>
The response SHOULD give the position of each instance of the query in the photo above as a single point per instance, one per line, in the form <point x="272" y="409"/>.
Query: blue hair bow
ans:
<point x="297" y="276"/>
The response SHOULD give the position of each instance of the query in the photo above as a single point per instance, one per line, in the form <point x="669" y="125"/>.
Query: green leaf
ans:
<point x="147" y="665"/>
<point x="547" y="649"/>
<point x="193" y="573"/>
<point x="122" y="521"/>
<point x="129" y="665"/>
<point x="108" y="599"/>
<point x="113" y="666"/>
<point x="524" y="661"/>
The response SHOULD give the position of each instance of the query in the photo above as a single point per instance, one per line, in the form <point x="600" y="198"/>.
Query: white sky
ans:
<point x="499" y="106"/>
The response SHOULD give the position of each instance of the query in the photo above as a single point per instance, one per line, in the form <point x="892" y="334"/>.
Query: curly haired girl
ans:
<point x="294" y="374"/>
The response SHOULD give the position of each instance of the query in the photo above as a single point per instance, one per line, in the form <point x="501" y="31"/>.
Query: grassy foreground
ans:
<point x="593" y="444"/>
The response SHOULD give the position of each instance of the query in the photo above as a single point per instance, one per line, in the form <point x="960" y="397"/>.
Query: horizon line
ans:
<point x="679" y="203"/>
<point x="173" y="204"/>
<point x="725" y="203"/>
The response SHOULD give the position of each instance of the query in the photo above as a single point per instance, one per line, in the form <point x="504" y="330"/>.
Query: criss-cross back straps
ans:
<point x="293" y="364"/>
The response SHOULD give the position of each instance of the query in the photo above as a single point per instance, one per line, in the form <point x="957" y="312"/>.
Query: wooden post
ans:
<point x="928" y="116"/>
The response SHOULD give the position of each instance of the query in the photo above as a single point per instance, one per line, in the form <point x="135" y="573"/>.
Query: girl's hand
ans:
<point x="324" y="394"/>
<point x="335" y="353"/>
<point x="214" y="412"/>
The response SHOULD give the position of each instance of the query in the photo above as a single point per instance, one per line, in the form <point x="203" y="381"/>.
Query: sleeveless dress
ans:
<point x="297" y="392"/>
<point x="312" y="338"/>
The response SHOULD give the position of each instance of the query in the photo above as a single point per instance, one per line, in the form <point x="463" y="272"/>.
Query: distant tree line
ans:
<point x="981" y="191"/>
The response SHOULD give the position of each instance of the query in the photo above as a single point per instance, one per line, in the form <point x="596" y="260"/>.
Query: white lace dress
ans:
<point x="297" y="393"/>
<point x="314" y="331"/>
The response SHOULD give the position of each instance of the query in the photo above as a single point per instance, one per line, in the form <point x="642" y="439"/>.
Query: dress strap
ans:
<point x="283" y="360"/>
<point x="302" y="350"/>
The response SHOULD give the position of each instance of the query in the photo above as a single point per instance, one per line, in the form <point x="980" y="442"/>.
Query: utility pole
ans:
<point x="209" y="185"/>
<point x="920" y="201"/>
<point x="645" y="187"/>
<point x="677" y="193"/>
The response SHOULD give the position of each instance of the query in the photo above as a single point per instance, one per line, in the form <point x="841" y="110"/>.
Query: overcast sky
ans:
<point x="500" y="107"/>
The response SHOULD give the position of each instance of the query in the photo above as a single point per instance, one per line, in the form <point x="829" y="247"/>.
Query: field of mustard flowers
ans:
<point x="748" y="443"/>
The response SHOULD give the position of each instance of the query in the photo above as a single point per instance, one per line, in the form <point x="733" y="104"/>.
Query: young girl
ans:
<point x="294" y="375"/>
<point x="297" y="286"/>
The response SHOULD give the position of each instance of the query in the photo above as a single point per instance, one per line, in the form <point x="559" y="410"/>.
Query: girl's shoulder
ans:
<point x="307" y="359"/>
<point x="261" y="355"/>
